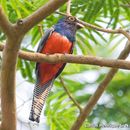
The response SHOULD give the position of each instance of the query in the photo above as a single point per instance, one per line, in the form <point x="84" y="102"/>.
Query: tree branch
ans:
<point x="116" y="31"/>
<point x="40" y="29"/>
<point x="69" y="58"/>
<point x="8" y="69"/>
<point x="101" y="88"/>
<point x="8" y="97"/>
<point x="40" y="14"/>
<point x="125" y="5"/>
<point x="69" y="94"/>
<point x="68" y="7"/>
<point x="5" y="25"/>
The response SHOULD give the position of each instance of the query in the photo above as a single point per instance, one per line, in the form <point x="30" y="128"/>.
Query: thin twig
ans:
<point x="125" y="5"/>
<point x="70" y="95"/>
<point x="40" y="29"/>
<point x="100" y="89"/>
<point x="116" y="31"/>
<point x="68" y="7"/>
<point x="61" y="13"/>
<point x="69" y="58"/>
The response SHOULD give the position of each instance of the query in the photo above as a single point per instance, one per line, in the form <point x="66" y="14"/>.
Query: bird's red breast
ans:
<point x="56" y="43"/>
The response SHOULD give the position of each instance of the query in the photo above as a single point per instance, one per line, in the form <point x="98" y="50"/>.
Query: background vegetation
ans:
<point x="60" y="110"/>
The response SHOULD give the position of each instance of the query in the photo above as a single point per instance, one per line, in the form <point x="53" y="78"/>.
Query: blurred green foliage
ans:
<point x="60" y="110"/>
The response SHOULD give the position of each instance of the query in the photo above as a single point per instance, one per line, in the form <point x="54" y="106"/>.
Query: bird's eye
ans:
<point x="71" y="18"/>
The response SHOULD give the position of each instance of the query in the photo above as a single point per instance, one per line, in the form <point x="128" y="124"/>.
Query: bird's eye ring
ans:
<point x="71" y="18"/>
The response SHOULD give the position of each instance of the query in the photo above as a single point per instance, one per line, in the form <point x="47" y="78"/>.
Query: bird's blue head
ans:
<point x="67" y="26"/>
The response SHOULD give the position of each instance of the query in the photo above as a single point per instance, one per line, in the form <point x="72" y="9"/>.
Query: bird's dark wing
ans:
<point x="44" y="38"/>
<point x="42" y="44"/>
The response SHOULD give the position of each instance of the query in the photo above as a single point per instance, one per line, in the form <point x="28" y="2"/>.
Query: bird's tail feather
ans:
<point x="39" y="98"/>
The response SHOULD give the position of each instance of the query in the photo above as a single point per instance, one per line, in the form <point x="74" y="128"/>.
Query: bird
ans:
<point x="58" y="39"/>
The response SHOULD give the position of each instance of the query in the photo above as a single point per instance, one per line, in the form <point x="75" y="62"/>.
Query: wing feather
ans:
<point x="41" y="45"/>
<point x="44" y="38"/>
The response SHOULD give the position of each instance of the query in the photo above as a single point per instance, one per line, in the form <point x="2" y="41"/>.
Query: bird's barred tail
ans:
<point x="39" y="98"/>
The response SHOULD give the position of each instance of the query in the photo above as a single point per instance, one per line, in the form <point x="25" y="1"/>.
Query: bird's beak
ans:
<point x="79" y="25"/>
